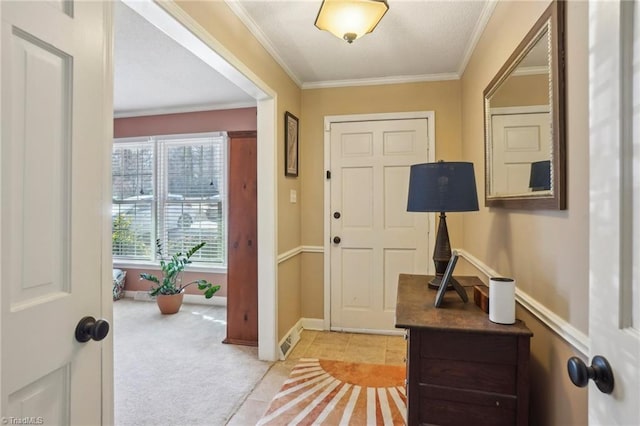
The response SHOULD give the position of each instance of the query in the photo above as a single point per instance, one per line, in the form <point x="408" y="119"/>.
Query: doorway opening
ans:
<point x="172" y="21"/>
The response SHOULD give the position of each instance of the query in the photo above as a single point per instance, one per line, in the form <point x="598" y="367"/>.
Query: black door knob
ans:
<point x="336" y="215"/>
<point x="88" y="328"/>
<point x="599" y="371"/>
<point x="336" y="240"/>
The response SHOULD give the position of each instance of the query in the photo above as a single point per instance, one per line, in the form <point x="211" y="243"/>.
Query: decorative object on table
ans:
<point x="290" y="144"/>
<point x="350" y="19"/>
<point x="481" y="297"/>
<point x="448" y="278"/>
<point x="502" y="300"/>
<point x="168" y="289"/>
<point x="335" y="392"/>
<point x="118" y="283"/>
<point x="442" y="187"/>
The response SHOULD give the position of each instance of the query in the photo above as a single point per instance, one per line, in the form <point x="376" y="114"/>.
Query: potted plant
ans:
<point x="168" y="289"/>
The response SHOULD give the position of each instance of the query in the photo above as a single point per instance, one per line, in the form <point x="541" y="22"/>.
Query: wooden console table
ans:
<point x="462" y="369"/>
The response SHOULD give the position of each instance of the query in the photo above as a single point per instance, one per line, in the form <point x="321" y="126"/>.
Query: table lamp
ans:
<point x="540" y="177"/>
<point x="442" y="187"/>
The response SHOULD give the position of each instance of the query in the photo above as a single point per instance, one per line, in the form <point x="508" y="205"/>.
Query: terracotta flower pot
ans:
<point x="169" y="303"/>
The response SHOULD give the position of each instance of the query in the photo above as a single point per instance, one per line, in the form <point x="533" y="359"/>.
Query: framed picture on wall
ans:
<point x="290" y="144"/>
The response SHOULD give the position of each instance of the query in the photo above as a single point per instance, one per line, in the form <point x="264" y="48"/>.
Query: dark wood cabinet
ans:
<point x="242" y="254"/>
<point x="462" y="369"/>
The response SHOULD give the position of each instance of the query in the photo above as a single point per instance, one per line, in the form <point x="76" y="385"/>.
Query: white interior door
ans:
<point x="518" y="140"/>
<point x="378" y="239"/>
<point x="55" y="119"/>
<point x="614" y="297"/>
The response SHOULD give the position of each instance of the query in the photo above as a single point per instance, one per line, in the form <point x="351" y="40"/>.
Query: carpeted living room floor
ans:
<point x="173" y="369"/>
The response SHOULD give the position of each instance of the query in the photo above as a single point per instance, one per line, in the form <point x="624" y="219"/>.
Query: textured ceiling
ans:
<point x="417" y="40"/>
<point x="154" y="74"/>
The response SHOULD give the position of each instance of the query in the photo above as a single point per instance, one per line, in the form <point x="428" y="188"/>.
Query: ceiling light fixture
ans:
<point x="350" y="19"/>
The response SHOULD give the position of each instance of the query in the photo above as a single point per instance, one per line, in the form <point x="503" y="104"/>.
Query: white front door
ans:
<point x="614" y="297"/>
<point x="373" y="238"/>
<point x="518" y="140"/>
<point x="55" y="136"/>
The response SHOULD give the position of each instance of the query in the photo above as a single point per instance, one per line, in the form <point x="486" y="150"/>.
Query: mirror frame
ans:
<point x="554" y="19"/>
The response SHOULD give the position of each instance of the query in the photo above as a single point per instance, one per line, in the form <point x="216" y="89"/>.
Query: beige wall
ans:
<point x="522" y="90"/>
<point x="216" y="18"/>
<point x="289" y="289"/>
<point x="441" y="97"/>
<point x="545" y="251"/>
<point x="134" y="283"/>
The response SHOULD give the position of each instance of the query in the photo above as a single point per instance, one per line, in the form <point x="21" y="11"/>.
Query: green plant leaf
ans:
<point x="172" y="270"/>
<point x="149" y="277"/>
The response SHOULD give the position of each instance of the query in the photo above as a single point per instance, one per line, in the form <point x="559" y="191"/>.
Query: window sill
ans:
<point x="194" y="267"/>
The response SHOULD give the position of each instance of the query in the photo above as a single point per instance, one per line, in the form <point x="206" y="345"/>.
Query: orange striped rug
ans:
<point x="321" y="392"/>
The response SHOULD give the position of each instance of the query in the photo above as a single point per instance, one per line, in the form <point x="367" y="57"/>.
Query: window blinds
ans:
<point x="190" y="192"/>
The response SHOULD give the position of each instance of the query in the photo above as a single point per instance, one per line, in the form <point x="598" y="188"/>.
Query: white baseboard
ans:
<point x="312" y="323"/>
<point x="370" y="331"/>
<point x="560" y="326"/>
<point x="194" y="299"/>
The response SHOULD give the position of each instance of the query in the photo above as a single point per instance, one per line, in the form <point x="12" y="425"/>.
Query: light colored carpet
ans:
<point x="324" y="392"/>
<point x="174" y="370"/>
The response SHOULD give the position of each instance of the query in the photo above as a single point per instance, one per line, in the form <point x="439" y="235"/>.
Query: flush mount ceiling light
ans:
<point x="350" y="19"/>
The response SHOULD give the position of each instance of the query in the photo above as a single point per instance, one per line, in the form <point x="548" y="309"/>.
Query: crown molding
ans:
<point x="381" y="81"/>
<point x="481" y="24"/>
<point x="251" y="25"/>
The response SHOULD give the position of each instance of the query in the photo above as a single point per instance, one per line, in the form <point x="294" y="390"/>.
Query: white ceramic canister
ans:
<point x="502" y="300"/>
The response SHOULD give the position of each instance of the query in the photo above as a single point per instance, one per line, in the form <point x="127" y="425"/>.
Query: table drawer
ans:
<point x="445" y="406"/>
<point x="476" y="376"/>
<point x="477" y="347"/>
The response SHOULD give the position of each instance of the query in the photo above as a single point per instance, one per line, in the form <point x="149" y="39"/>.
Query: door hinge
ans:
<point x="328" y="174"/>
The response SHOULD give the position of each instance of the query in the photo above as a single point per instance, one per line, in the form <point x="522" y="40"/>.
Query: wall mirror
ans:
<point x="524" y="116"/>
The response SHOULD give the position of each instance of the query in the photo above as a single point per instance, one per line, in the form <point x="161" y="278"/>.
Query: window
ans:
<point x="170" y="188"/>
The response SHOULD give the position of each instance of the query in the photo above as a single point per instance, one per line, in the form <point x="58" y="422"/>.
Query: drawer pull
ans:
<point x="497" y="403"/>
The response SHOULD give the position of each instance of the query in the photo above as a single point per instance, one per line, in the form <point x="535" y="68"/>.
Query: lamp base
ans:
<point x="435" y="283"/>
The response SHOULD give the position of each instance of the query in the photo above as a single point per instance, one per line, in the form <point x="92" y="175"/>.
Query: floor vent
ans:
<point x="287" y="344"/>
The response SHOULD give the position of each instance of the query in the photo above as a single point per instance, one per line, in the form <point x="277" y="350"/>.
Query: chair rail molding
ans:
<point x="283" y="257"/>
<point x="560" y="326"/>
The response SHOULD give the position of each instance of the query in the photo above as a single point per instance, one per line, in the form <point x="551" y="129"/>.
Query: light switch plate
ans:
<point x="293" y="196"/>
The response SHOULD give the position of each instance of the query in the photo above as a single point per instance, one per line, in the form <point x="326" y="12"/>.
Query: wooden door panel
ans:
<point x="378" y="237"/>
<point x="242" y="262"/>
<point x="55" y="133"/>
<point x="37" y="165"/>
<point x="519" y="140"/>
<point x="614" y="215"/>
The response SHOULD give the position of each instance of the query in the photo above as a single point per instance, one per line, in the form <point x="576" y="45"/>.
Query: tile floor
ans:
<point x="349" y="347"/>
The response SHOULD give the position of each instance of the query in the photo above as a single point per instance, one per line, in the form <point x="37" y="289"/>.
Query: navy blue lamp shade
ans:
<point x="442" y="187"/>
<point x="540" y="178"/>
